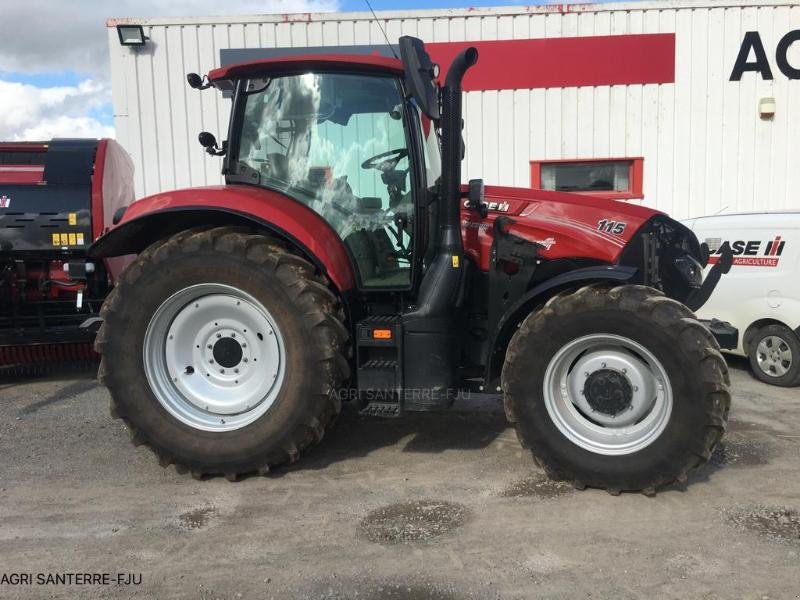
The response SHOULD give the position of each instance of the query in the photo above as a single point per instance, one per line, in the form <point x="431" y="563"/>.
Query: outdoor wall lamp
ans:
<point x="131" y="35"/>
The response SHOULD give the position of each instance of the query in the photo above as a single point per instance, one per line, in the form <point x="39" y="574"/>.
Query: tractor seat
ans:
<point x="369" y="205"/>
<point x="278" y="166"/>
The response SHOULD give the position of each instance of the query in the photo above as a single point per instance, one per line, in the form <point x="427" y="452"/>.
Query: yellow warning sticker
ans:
<point x="68" y="239"/>
<point x="455" y="261"/>
<point x="73" y="218"/>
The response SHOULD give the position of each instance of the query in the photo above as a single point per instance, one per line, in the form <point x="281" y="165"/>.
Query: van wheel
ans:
<point x="775" y="356"/>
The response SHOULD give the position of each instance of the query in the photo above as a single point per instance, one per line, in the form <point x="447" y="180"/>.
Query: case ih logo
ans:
<point x="546" y="244"/>
<point x="498" y="206"/>
<point x="5" y="202"/>
<point x="754" y="253"/>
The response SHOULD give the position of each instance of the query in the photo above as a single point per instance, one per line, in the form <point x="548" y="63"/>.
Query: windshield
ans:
<point x="310" y="136"/>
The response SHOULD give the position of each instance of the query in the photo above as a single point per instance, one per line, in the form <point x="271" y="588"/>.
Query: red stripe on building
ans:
<point x="564" y="62"/>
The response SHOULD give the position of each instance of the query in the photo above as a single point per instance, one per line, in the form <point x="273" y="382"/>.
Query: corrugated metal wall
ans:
<point x="705" y="147"/>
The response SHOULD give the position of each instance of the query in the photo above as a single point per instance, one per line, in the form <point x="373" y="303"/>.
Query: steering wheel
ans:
<point x="385" y="161"/>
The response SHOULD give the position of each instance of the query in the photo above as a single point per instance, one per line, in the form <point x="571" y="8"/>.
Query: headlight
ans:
<point x="690" y="269"/>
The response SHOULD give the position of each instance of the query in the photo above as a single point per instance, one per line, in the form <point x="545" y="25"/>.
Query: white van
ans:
<point x="761" y="294"/>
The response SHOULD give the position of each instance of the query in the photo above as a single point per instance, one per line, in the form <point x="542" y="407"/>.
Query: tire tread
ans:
<point x="649" y="304"/>
<point x="320" y="306"/>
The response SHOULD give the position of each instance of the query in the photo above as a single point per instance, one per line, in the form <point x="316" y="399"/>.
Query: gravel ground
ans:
<point x="429" y="506"/>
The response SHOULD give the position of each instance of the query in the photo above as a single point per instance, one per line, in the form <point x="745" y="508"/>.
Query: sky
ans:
<point x="54" y="73"/>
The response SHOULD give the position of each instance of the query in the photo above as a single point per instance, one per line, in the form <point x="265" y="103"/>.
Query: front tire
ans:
<point x="222" y="351"/>
<point x="620" y="388"/>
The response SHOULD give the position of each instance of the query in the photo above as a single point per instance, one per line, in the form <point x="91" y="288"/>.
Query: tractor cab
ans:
<point x="351" y="145"/>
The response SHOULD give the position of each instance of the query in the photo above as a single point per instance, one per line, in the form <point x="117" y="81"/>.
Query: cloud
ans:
<point x="28" y="112"/>
<point x="48" y="36"/>
<point x="53" y="36"/>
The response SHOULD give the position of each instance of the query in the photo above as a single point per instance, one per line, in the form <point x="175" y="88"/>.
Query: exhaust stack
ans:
<point x="441" y="282"/>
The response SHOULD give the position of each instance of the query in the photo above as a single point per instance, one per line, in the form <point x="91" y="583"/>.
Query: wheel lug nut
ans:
<point x="233" y="335"/>
<point x="236" y="370"/>
<point x="210" y="347"/>
<point x="222" y="370"/>
<point x="244" y="359"/>
<point x="219" y="335"/>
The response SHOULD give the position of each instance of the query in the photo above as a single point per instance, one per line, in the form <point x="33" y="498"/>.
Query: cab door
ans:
<point x="340" y="144"/>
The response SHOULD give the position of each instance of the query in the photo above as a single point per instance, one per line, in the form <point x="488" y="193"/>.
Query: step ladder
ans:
<point x="379" y="355"/>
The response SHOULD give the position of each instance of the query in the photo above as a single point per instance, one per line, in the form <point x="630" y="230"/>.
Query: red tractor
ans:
<point x="343" y="258"/>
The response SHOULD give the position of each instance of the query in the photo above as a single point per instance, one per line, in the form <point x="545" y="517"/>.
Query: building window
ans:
<point x="618" y="178"/>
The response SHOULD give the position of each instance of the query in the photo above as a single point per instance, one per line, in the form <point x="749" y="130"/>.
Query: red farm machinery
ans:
<point x="56" y="198"/>
<point x="344" y="258"/>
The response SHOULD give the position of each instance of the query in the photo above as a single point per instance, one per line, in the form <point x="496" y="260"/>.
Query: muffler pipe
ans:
<point x="452" y="140"/>
<point x="440" y="285"/>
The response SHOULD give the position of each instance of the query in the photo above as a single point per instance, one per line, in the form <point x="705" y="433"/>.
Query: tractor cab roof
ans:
<point x="337" y="62"/>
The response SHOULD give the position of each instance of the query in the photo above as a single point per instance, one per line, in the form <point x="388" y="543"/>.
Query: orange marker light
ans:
<point x="381" y="334"/>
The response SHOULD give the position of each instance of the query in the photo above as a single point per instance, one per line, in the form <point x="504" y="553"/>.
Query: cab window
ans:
<point x="338" y="144"/>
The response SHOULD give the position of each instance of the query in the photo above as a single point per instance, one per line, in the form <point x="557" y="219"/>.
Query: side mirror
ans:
<point x="196" y="82"/>
<point x="421" y="75"/>
<point x="209" y="142"/>
<point x="476" y="196"/>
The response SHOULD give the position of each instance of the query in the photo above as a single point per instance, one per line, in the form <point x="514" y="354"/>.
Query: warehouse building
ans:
<point x="692" y="107"/>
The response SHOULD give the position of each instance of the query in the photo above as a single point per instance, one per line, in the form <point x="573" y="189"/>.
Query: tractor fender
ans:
<point x="538" y="295"/>
<point x="155" y="217"/>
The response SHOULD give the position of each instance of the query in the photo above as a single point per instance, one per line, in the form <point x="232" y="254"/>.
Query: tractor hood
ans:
<point x="566" y="225"/>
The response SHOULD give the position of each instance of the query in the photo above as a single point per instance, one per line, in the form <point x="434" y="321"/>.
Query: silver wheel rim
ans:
<point x="774" y="356"/>
<point x="643" y="382"/>
<point x="214" y="357"/>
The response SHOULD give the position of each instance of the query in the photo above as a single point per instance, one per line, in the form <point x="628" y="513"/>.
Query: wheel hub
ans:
<point x="608" y="391"/>
<point x="774" y="356"/>
<point x="607" y="394"/>
<point x="227" y="352"/>
<point x="214" y="357"/>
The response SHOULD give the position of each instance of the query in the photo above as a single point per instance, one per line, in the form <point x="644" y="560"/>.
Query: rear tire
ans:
<point x="774" y="355"/>
<point x="665" y="375"/>
<point x="206" y="270"/>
